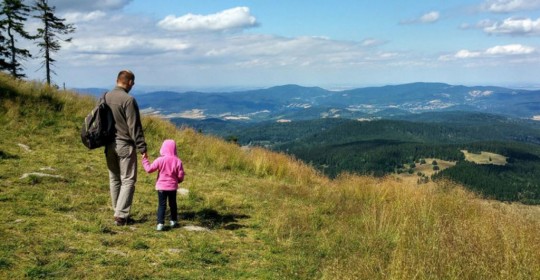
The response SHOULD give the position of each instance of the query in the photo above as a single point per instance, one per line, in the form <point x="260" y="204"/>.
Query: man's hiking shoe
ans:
<point x="174" y="223"/>
<point x="159" y="227"/>
<point x="120" y="221"/>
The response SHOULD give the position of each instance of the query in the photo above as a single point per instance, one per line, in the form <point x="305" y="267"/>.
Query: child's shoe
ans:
<point x="174" y="223"/>
<point x="159" y="227"/>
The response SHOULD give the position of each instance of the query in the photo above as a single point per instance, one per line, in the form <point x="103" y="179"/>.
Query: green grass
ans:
<point x="485" y="158"/>
<point x="270" y="216"/>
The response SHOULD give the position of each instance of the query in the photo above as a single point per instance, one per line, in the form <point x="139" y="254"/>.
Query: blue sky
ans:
<point x="209" y="44"/>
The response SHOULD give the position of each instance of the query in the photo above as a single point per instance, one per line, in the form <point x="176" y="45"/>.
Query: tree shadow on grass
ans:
<point x="212" y="219"/>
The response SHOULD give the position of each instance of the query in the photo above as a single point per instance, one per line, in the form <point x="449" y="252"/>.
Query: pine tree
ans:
<point x="49" y="34"/>
<point x="14" y="13"/>
<point x="4" y="65"/>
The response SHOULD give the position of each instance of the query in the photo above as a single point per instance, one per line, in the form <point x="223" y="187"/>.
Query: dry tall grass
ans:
<point x="367" y="228"/>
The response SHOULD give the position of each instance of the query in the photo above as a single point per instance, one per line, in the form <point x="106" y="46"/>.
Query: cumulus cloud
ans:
<point x="127" y="45"/>
<point x="96" y="42"/>
<point x="372" y="42"/>
<point x="269" y="51"/>
<point x="512" y="26"/>
<point x="515" y="49"/>
<point x="467" y="54"/>
<point x="493" y="52"/>
<point x="76" y="17"/>
<point x="88" y="5"/>
<point x="429" y="17"/>
<point x="508" y="6"/>
<point x="231" y="19"/>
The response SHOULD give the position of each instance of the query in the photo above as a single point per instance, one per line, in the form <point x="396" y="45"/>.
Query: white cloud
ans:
<point x="512" y="26"/>
<point x="268" y="51"/>
<point x="88" y="5"/>
<point x="514" y="49"/>
<point x="467" y="54"/>
<point x="76" y="17"/>
<point x="508" y="6"/>
<point x="235" y="18"/>
<point x="493" y="52"/>
<point x="126" y="45"/>
<point x="142" y="43"/>
<point x="429" y="17"/>
<point x="371" y="42"/>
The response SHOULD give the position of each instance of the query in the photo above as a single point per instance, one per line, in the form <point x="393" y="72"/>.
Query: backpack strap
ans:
<point x="103" y="97"/>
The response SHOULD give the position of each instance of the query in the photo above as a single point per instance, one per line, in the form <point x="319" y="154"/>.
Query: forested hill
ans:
<point x="386" y="147"/>
<point x="442" y="127"/>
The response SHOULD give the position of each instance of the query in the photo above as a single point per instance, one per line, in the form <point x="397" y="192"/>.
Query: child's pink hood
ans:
<point x="168" y="148"/>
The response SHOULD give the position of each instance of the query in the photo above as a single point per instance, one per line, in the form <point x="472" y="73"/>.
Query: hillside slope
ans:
<point x="267" y="215"/>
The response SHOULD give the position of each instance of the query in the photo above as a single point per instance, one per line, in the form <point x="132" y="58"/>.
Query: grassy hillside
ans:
<point x="269" y="216"/>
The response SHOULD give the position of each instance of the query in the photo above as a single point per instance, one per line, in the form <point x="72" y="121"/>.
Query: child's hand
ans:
<point x="144" y="155"/>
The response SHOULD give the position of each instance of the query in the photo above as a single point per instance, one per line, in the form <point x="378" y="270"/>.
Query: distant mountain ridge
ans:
<point x="294" y="102"/>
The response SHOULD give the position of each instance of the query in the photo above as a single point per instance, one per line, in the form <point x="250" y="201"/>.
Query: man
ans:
<point x="121" y="154"/>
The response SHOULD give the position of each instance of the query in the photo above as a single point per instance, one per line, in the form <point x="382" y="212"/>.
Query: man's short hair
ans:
<point x="125" y="76"/>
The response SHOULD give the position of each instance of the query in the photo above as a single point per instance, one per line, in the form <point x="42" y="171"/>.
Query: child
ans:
<point x="171" y="172"/>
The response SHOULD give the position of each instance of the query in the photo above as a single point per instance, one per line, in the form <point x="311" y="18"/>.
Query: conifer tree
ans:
<point x="49" y="34"/>
<point x="3" y="50"/>
<point x="14" y="14"/>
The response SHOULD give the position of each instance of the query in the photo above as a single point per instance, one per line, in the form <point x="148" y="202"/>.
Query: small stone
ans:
<point x="183" y="192"/>
<point x="39" y="174"/>
<point x="24" y="147"/>
<point x="195" y="228"/>
<point x="116" y="252"/>
<point x="175" y="251"/>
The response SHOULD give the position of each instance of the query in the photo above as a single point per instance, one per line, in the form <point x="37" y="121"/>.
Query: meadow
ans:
<point x="485" y="158"/>
<point x="267" y="215"/>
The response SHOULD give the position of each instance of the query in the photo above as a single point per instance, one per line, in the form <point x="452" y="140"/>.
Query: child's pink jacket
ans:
<point x="171" y="171"/>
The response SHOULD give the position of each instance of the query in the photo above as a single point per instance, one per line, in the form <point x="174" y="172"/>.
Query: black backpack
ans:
<point x="98" y="129"/>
